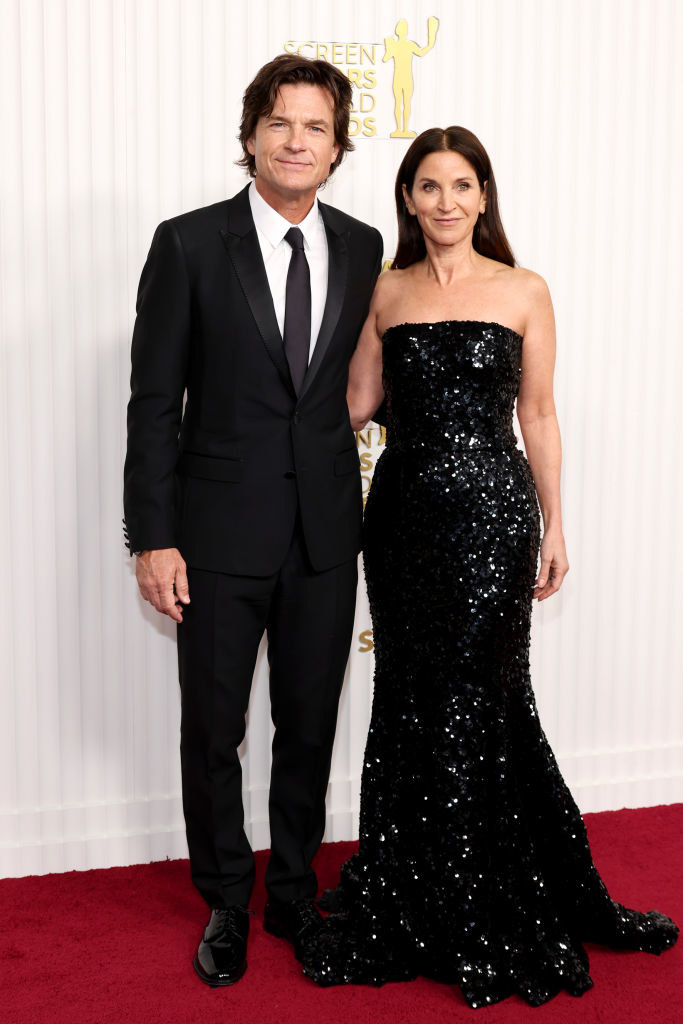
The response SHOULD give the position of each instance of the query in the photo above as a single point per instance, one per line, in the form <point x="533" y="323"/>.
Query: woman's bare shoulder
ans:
<point x="390" y="285"/>
<point x="517" y="275"/>
<point x="533" y="284"/>
<point x="529" y="288"/>
<point x="389" y="289"/>
<point x="391" y="281"/>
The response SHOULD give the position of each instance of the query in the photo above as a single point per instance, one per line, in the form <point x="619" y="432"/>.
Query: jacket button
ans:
<point x="290" y="474"/>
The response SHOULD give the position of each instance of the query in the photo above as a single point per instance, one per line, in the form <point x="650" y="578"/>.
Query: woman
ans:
<point x="473" y="866"/>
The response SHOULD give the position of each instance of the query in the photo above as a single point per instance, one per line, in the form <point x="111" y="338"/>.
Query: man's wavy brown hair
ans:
<point x="291" y="69"/>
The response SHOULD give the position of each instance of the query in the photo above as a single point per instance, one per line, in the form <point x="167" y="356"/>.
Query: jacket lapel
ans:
<point x="243" y="248"/>
<point x="337" y="272"/>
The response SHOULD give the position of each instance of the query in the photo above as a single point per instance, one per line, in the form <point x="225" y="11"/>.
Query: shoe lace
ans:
<point x="232" y="917"/>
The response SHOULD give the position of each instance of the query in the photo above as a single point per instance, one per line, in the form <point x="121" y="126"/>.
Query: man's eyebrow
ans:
<point x="312" y="120"/>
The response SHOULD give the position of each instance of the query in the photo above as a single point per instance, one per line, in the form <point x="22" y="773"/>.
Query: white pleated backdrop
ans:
<point x="118" y="113"/>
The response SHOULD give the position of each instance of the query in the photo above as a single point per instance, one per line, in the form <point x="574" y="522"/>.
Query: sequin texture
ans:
<point x="473" y="865"/>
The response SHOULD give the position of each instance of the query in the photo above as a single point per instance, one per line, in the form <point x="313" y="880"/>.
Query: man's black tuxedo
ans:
<point x="260" y="491"/>
<point x="224" y="485"/>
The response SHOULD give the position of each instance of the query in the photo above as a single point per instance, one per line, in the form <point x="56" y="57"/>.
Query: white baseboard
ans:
<point x="38" y="841"/>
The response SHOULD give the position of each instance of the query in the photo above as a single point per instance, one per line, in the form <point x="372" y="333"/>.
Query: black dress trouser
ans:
<point x="309" y="617"/>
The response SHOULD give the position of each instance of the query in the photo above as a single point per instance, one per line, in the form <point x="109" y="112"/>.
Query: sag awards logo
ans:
<point x="372" y="106"/>
<point x="369" y="443"/>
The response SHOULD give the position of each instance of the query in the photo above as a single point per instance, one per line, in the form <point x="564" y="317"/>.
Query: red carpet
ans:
<point x="114" y="947"/>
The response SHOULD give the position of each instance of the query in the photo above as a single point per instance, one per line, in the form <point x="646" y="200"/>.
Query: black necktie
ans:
<point x="297" y="332"/>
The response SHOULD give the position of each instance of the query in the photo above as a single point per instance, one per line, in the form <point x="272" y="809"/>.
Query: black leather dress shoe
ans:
<point x="222" y="955"/>
<point x="295" y="920"/>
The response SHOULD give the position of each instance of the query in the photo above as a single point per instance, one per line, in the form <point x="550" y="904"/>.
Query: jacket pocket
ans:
<point x="206" y="467"/>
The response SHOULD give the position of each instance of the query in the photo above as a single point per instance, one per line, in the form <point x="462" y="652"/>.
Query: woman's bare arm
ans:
<point x="365" y="392"/>
<point x="541" y="432"/>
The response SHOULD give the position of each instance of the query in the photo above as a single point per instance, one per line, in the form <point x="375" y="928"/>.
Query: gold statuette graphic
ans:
<point x="402" y="50"/>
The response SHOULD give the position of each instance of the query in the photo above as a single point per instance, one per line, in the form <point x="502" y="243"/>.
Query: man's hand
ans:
<point x="162" y="579"/>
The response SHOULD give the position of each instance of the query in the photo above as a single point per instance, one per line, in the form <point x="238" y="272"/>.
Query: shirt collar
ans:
<point x="273" y="226"/>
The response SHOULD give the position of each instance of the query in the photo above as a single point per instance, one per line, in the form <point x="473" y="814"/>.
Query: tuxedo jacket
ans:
<point x="222" y="454"/>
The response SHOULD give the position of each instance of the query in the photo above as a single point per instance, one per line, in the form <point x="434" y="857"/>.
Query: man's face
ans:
<point x="294" y="146"/>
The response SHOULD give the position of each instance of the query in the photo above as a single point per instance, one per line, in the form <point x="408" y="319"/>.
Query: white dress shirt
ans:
<point x="271" y="229"/>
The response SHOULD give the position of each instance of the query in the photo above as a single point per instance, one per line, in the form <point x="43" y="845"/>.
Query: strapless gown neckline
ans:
<point x="447" y="323"/>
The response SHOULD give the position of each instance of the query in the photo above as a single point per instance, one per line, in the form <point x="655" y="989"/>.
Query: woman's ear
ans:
<point x="408" y="201"/>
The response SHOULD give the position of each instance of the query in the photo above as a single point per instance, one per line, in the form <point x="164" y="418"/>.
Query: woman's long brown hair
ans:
<point x="489" y="236"/>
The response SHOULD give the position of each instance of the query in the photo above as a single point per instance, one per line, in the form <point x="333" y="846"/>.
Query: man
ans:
<point x="244" y="510"/>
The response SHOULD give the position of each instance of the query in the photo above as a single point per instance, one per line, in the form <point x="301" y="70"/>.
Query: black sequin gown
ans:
<point x="473" y="866"/>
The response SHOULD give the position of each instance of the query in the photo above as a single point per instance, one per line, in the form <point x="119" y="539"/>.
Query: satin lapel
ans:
<point x="244" y="251"/>
<point x="337" y="272"/>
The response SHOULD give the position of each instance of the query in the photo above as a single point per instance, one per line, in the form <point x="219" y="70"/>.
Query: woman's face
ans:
<point x="446" y="197"/>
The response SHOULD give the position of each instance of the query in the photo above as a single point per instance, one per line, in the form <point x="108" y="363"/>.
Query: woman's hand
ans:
<point x="554" y="565"/>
